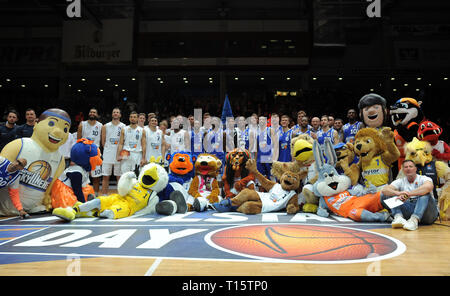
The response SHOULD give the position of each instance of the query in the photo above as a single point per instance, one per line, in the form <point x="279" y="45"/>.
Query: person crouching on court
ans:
<point x="419" y="205"/>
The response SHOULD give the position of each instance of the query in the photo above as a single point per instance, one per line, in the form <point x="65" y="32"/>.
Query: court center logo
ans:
<point x="305" y="243"/>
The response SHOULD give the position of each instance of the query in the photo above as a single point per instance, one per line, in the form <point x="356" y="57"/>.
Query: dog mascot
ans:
<point x="430" y="132"/>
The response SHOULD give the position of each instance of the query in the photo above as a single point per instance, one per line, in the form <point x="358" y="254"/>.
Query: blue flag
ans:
<point x="226" y="110"/>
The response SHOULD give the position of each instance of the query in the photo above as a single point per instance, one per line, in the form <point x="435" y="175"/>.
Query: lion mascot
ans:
<point x="377" y="152"/>
<point x="236" y="176"/>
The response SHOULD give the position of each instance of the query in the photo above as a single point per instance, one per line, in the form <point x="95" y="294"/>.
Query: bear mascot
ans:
<point x="44" y="163"/>
<point x="204" y="189"/>
<point x="173" y="197"/>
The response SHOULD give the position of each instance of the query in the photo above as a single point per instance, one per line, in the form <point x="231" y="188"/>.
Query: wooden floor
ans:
<point x="427" y="254"/>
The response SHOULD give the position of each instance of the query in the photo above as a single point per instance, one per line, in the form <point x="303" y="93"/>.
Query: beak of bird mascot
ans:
<point x="154" y="177"/>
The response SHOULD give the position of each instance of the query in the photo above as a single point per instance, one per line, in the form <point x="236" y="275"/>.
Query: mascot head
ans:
<point x="86" y="154"/>
<point x="301" y="149"/>
<point x="405" y="111"/>
<point x="154" y="177"/>
<point x="429" y="131"/>
<point x="368" y="144"/>
<point x="419" y="152"/>
<point x="372" y="110"/>
<point x="52" y="129"/>
<point x="207" y="165"/>
<point x="180" y="163"/>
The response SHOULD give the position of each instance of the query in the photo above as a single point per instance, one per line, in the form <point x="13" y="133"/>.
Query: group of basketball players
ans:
<point x="128" y="147"/>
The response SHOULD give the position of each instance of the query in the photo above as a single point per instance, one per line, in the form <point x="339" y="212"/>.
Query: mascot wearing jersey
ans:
<point x="377" y="152"/>
<point x="44" y="163"/>
<point x="278" y="196"/>
<point x="358" y="203"/>
<point x="136" y="196"/>
<point x="73" y="184"/>
<point x="430" y="132"/>
<point x="173" y="197"/>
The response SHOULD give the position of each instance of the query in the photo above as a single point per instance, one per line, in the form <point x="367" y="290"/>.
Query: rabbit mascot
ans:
<point x="358" y="203"/>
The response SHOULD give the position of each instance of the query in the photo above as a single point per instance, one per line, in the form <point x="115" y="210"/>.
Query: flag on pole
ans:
<point x="226" y="110"/>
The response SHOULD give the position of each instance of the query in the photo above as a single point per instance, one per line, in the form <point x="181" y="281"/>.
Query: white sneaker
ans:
<point x="398" y="222"/>
<point x="411" y="224"/>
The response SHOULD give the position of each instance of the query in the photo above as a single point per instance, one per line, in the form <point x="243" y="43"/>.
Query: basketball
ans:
<point x="302" y="242"/>
<point x="42" y="168"/>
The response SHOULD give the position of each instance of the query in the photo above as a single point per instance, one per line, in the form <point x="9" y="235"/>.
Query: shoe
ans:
<point x="67" y="214"/>
<point x="398" y="222"/>
<point x="166" y="207"/>
<point x="412" y="224"/>
<point x="200" y="205"/>
<point x="178" y="198"/>
<point x="224" y="206"/>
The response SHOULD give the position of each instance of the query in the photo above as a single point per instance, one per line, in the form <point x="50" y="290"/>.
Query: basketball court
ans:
<point x="222" y="244"/>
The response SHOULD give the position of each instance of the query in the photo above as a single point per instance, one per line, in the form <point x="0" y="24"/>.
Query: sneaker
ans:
<point x="179" y="199"/>
<point x="67" y="214"/>
<point x="224" y="206"/>
<point x="411" y="224"/>
<point x="398" y="222"/>
<point x="200" y="205"/>
<point x="166" y="207"/>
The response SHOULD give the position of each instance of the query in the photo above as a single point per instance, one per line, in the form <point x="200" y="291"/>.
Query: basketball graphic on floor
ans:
<point x="304" y="243"/>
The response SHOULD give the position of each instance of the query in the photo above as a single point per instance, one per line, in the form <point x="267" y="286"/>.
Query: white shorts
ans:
<point x="129" y="164"/>
<point x="97" y="172"/>
<point x="107" y="169"/>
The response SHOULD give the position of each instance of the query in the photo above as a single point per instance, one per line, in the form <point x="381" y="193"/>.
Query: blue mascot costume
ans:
<point x="173" y="197"/>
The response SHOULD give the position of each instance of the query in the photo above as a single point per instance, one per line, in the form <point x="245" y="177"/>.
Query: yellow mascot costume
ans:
<point x="135" y="196"/>
<point x="44" y="164"/>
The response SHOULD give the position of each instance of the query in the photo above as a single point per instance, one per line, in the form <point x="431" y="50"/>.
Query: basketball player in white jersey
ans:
<point x="132" y="146"/>
<point x="156" y="144"/>
<point x="110" y="140"/>
<point x="91" y="129"/>
<point x="179" y="138"/>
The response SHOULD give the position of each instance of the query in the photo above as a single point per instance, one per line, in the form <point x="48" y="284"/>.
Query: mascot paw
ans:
<point x="166" y="207"/>
<point x="291" y="209"/>
<point x="310" y="208"/>
<point x="180" y="201"/>
<point x="67" y="214"/>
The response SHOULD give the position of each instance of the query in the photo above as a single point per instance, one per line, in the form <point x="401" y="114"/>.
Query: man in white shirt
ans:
<point x="156" y="144"/>
<point x="91" y="129"/>
<point x="416" y="193"/>
<point x="110" y="140"/>
<point x="131" y="149"/>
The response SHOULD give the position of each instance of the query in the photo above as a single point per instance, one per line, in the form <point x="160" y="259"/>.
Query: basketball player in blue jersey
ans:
<point x="304" y="128"/>
<point x="265" y="147"/>
<point x="352" y="127"/>
<point x="284" y="140"/>
<point x="327" y="132"/>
